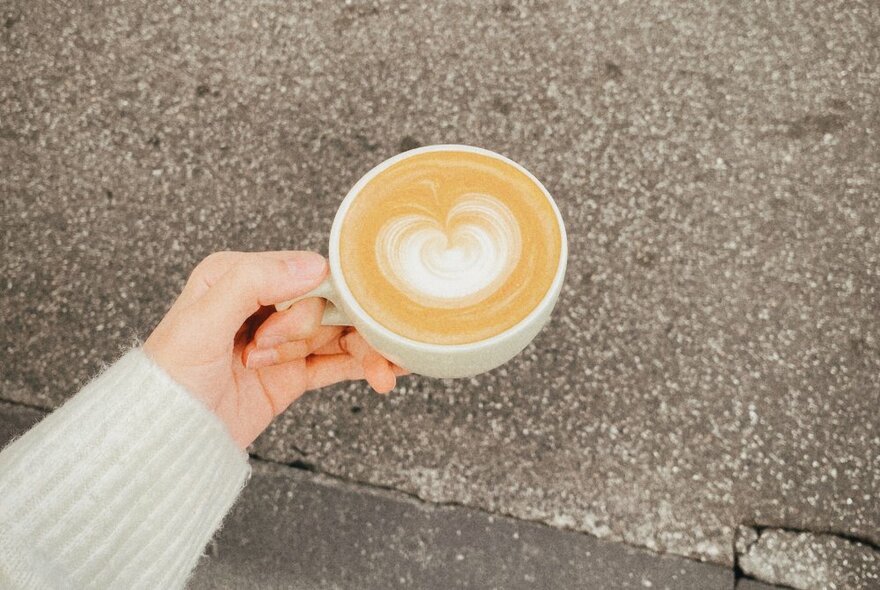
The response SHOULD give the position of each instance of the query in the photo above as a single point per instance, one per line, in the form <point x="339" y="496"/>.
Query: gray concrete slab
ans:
<point x="294" y="529"/>
<point x="300" y="530"/>
<point x="715" y="356"/>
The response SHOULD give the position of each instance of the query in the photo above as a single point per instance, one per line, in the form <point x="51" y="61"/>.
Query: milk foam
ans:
<point x="452" y="262"/>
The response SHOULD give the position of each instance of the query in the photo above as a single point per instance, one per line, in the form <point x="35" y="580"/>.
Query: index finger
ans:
<point x="212" y="268"/>
<point x="256" y="280"/>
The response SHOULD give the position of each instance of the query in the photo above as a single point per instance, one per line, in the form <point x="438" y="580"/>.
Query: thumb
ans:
<point x="258" y="279"/>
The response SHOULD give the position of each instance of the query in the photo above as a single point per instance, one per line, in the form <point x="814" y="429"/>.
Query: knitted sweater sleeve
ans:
<point x="122" y="487"/>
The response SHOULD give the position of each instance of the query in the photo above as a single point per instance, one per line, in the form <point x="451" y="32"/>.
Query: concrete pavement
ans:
<point x="295" y="529"/>
<point x="714" y="360"/>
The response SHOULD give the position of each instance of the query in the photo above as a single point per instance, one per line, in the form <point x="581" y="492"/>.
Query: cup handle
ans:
<point x="333" y="316"/>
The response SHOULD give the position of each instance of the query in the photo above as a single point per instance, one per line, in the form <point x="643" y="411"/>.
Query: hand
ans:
<point x="223" y="340"/>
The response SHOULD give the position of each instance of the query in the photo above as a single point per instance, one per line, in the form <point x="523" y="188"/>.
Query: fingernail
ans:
<point x="307" y="265"/>
<point x="261" y="357"/>
<point x="270" y="340"/>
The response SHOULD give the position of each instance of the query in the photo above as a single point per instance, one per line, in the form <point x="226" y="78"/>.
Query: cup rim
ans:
<point x="349" y="301"/>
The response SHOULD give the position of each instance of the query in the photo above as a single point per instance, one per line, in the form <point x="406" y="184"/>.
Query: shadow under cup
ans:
<point x="448" y="259"/>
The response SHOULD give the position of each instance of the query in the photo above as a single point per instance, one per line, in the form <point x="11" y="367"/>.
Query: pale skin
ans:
<point x="223" y="340"/>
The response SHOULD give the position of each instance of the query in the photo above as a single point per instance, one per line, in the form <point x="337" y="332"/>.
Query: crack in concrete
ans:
<point x="870" y="544"/>
<point x="804" y="559"/>
<point x="746" y="535"/>
<point x="741" y="545"/>
<point x="413" y="498"/>
<point x="29" y="406"/>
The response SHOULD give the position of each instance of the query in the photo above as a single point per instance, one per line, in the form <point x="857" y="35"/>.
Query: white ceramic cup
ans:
<point x="432" y="360"/>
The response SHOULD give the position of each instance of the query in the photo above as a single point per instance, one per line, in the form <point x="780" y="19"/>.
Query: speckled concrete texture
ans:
<point x="807" y="561"/>
<point x="715" y="356"/>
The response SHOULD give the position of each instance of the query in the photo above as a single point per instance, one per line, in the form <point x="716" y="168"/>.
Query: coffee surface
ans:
<point x="449" y="247"/>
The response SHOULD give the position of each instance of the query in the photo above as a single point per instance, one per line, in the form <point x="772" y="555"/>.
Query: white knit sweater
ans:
<point x="121" y="487"/>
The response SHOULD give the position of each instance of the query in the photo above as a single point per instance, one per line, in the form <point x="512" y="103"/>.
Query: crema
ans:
<point x="450" y="247"/>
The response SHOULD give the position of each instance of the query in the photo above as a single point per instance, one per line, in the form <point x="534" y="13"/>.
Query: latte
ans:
<point x="450" y="247"/>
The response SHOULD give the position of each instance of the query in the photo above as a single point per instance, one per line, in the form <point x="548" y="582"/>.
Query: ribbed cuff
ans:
<point x="121" y="487"/>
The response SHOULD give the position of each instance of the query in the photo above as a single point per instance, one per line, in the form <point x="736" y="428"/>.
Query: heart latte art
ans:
<point x="449" y="247"/>
<point x="452" y="262"/>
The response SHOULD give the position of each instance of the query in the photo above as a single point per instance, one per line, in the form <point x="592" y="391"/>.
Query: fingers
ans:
<point x="298" y="322"/>
<point x="284" y="383"/>
<point x="212" y="267"/>
<point x="374" y="363"/>
<point x="254" y="280"/>
<point x="326" y="370"/>
<point x="377" y="369"/>
<point x="255" y="357"/>
<point x="205" y="274"/>
<point x="331" y="341"/>
<point x="304" y="348"/>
